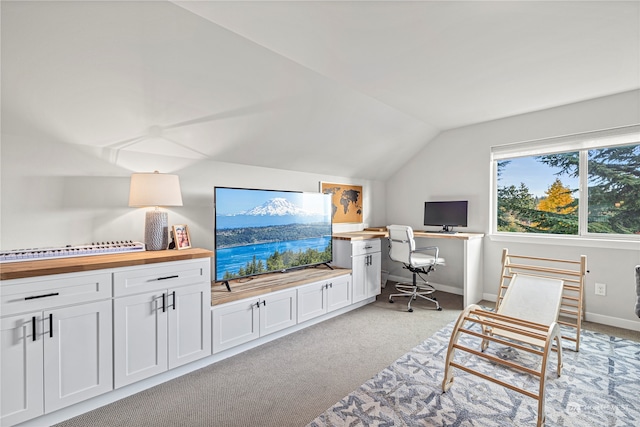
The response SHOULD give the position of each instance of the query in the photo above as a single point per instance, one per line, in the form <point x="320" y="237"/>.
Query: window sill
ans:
<point x="585" y="242"/>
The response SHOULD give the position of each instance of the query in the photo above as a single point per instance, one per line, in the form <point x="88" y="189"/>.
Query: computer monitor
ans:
<point x="446" y="214"/>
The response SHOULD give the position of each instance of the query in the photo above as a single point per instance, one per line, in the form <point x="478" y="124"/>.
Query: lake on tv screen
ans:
<point x="232" y="259"/>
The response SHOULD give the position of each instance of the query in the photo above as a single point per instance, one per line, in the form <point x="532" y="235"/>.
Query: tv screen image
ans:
<point x="262" y="231"/>
<point x="446" y="214"/>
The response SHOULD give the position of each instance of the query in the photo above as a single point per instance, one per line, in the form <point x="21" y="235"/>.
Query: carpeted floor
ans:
<point x="290" y="381"/>
<point x="599" y="386"/>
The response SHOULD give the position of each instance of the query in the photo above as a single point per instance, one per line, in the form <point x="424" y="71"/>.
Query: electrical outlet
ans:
<point x="601" y="289"/>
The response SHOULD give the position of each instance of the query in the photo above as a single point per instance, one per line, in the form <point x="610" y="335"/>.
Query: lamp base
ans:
<point x="156" y="230"/>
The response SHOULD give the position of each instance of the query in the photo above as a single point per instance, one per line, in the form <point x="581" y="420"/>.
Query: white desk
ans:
<point x="472" y="266"/>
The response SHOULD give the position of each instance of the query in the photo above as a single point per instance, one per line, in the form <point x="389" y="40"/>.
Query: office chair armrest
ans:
<point x="427" y="249"/>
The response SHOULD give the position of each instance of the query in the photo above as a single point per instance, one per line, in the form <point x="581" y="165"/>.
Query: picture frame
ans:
<point x="181" y="236"/>
<point x="346" y="200"/>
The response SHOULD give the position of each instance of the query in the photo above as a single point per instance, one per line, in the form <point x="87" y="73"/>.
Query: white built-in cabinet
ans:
<point x="161" y="318"/>
<point x="56" y="343"/>
<point x="243" y="321"/>
<point x="364" y="258"/>
<point x="316" y="299"/>
<point x="68" y="337"/>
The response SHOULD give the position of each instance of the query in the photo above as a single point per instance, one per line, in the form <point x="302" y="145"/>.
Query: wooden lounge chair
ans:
<point x="525" y="319"/>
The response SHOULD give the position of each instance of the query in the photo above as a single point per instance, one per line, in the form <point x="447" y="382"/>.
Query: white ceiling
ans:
<point x="352" y="89"/>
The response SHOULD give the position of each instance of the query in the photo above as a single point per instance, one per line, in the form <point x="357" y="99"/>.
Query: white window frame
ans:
<point x="627" y="135"/>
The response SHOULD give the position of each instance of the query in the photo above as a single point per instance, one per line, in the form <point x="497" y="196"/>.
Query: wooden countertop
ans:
<point x="360" y="235"/>
<point x="44" y="267"/>
<point x="372" y="234"/>
<point x="260" y="285"/>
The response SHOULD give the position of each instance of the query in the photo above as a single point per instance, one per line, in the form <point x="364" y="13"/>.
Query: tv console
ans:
<point x="41" y="301"/>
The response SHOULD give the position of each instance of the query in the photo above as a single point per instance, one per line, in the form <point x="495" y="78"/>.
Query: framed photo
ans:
<point x="181" y="236"/>
<point x="346" y="201"/>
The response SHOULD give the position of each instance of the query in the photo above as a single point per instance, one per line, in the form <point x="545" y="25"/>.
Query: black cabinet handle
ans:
<point x="33" y="327"/>
<point x="164" y="302"/>
<point x="42" y="296"/>
<point x="174" y="300"/>
<point x="50" y="325"/>
<point x="168" y="277"/>
<point x="264" y="303"/>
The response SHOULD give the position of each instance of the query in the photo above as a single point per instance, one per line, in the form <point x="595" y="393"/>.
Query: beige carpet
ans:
<point x="289" y="381"/>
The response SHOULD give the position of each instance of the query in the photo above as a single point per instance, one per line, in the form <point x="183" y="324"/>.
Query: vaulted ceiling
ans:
<point x="347" y="88"/>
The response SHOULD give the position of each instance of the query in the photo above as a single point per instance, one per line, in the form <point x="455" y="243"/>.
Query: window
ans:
<point x="579" y="185"/>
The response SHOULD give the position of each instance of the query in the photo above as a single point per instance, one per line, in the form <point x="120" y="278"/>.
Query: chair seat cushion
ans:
<point x="421" y="260"/>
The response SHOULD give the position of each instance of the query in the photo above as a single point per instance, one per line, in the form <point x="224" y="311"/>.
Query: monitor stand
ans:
<point x="447" y="229"/>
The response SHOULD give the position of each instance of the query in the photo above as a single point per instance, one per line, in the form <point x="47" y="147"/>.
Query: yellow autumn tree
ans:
<point x="559" y="199"/>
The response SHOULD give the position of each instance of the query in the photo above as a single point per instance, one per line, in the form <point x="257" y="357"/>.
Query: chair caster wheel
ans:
<point x="434" y="298"/>
<point x="390" y="301"/>
<point x="410" y="310"/>
<point x="439" y="308"/>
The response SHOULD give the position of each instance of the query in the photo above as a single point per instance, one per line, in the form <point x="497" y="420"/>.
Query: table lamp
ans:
<point x="155" y="189"/>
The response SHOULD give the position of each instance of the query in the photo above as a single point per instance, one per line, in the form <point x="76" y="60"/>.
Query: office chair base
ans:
<point x="423" y="291"/>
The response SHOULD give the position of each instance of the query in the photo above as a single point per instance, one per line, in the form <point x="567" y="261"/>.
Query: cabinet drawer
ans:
<point x="41" y="293"/>
<point x="134" y="280"/>
<point x="362" y="247"/>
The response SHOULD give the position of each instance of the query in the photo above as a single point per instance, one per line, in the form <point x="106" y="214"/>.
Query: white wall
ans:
<point x="456" y="165"/>
<point x="54" y="193"/>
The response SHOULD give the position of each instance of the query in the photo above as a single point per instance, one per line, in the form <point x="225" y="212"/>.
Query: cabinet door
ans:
<point x="312" y="301"/>
<point x="339" y="293"/>
<point x="358" y="272"/>
<point x="278" y="311"/>
<point x="21" y="368"/>
<point x="77" y="354"/>
<point x="234" y="324"/>
<point x="189" y="324"/>
<point x="140" y="337"/>
<point x="372" y="274"/>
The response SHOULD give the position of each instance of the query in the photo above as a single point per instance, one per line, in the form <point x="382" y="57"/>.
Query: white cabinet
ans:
<point x="161" y="318"/>
<point x="58" y="350"/>
<point x="363" y="257"/>
<point x="243" y="321"/>
<point x="322" y="297"/>
<point x="77" y="354"/>
<point x="22" y="369"/>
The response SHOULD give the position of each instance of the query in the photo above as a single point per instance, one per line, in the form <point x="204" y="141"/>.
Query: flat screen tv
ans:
<point x="446" y="214"/>
<point x="262" y="231"/>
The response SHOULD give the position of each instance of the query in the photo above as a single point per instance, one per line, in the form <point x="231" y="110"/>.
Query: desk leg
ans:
<point x="473" y="287"/>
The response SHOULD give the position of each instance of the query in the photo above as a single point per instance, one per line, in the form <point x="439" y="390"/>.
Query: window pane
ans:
<point x="614" y="190"/>
<point x="539" y="194"/>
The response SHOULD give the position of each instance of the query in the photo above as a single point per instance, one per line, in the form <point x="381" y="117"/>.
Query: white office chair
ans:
<point x="402" y="248"/>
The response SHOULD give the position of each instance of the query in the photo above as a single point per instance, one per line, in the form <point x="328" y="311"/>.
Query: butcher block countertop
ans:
<point x="44" y="267"/>
<point x="260" y="285"/>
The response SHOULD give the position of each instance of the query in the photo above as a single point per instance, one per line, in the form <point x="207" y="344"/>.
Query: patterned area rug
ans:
<point x="599" y="386"/>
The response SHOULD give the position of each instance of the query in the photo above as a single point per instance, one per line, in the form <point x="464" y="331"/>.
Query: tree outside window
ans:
<point x="539" y="194"/>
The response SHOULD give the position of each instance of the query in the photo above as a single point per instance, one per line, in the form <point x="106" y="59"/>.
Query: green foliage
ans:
<point x="614" y="186"/>
<point x="613" y="201"/>
<point x="515" y="205"/>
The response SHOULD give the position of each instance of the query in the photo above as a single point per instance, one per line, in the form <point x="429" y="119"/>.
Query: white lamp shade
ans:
<point x="154" y="189"/>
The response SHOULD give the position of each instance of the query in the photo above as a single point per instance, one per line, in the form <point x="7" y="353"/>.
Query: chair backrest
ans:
<point x="401" y="243"/>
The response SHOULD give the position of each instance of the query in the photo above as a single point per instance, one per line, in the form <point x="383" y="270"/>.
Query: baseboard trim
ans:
<point x="612" y="321"/>
<point x="439" y="287"/>
<point x="594" y="317"/>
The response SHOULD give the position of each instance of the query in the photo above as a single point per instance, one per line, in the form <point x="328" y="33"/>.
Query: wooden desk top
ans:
<point x="260" y="285"/>
<point x="44" y="267"/>
<point x="374" y="234"/>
